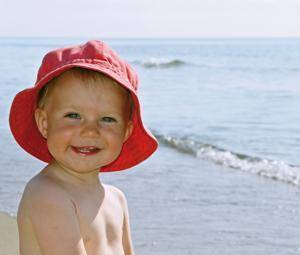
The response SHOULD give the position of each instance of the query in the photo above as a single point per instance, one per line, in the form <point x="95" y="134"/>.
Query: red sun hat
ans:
<point x="93" y="55"/>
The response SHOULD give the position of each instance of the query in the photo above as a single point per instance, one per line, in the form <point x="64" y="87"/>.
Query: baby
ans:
<point x="82" y="117"/>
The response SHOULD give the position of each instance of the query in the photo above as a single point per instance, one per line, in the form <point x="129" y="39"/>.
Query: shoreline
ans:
<point x="9" y="241"/>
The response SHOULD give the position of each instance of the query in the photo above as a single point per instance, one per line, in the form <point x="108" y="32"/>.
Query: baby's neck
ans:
<point x="55" y="170"/>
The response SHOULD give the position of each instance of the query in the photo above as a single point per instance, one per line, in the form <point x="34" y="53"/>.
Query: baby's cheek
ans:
<point x="67" y="130"/>
<point x="112" y="130"/>
<point x="59" y="139"/>
<point x="63" y="131"/>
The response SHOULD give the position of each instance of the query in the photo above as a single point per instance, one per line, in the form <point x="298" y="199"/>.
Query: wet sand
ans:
<point x="9" y="240"/>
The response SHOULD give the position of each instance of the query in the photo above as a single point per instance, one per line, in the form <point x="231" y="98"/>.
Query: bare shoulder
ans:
<point x="41" y="190"/>
<point x="39" y="183"/>
<point x="52" y="215"/>
<point x="116" y="192"/>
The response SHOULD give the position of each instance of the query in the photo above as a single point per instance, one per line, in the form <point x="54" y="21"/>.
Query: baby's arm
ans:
<point x="127" y="242"/>
<point x="55" y="223"/>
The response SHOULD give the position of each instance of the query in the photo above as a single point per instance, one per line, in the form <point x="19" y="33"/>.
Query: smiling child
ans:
<point x="82" y="118"/>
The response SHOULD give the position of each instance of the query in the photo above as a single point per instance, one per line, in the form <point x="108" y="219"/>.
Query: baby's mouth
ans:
<point x="85" y="150"/>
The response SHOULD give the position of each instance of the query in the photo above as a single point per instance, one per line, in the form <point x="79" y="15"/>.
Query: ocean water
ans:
<point x="226" y="177"/>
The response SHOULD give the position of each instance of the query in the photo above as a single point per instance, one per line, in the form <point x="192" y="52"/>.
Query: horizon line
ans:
<point x="153" y="38"/>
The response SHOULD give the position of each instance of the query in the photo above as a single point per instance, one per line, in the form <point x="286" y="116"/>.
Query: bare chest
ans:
<point x="101" y="222"/>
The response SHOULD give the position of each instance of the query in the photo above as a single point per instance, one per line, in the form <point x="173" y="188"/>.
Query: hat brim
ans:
<point x="138" y="147"/>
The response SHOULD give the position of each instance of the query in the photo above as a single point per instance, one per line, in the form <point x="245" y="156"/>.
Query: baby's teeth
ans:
<point x="86" y="149"/>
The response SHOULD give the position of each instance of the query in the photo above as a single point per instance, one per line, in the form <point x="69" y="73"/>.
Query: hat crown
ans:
<point x="91" y="52"/>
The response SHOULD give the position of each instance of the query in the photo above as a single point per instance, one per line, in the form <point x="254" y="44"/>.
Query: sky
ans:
<point x="150" y="18"/>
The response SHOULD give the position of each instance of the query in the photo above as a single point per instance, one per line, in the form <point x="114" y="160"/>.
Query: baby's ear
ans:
<point x="41" y="121"/>
<point x="129" y="130"/>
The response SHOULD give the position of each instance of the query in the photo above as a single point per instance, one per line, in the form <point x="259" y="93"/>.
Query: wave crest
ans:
<point x="161" y="63"/>
<point x="273" y="169"/>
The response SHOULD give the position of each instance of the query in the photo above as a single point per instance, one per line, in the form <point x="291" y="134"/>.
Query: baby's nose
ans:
<point x="90" y="129"/>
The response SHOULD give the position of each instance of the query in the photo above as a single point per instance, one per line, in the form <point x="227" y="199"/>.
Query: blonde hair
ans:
<point x="87" y="76"/>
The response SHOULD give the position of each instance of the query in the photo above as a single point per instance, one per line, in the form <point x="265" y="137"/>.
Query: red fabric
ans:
<point x="94" y="55"/>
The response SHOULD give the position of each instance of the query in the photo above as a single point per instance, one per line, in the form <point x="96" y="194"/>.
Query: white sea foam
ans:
<point x="277" y="170"/>
<point x="160" y="63"/>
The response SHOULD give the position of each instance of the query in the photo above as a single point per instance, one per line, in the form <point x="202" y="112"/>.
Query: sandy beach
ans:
<point x="9" y="235"/>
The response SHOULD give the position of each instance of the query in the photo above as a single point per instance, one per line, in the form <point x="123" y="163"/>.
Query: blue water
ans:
<point x="226" y="113"/>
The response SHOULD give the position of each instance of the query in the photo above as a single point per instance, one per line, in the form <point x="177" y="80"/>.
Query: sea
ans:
<point x="226" y="112"/>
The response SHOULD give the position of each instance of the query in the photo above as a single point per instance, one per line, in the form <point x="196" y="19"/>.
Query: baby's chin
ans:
<point x="76" y="168"/>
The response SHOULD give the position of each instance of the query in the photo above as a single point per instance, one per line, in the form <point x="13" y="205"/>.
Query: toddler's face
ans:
<point x="85" y="124"/>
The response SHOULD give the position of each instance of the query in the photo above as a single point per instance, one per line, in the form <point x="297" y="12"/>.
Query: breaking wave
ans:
<point x="169" y="63"/>
<point x="277" y="170"/>
<point x="160" y="63"/>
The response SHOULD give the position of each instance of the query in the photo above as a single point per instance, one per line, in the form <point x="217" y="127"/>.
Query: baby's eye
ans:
<point x="72" y="115"/>
<point x="109" y="119"/>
